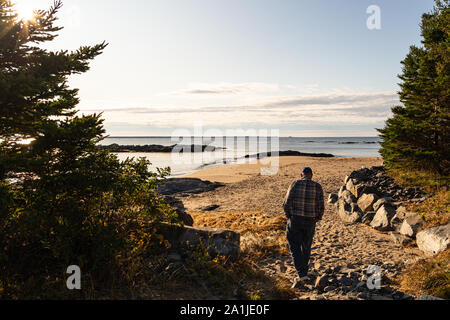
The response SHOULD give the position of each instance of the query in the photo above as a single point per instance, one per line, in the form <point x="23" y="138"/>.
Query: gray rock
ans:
<point x="434" y="240"/>
<point x="345" y="281"/>
<point x="217" y="241"/>
<point x="382" y="218"/>
<point x="211" y="207"/>
<point x="401" y="212"/>
<point x="341" y="191"/>
<point x="347" y="178"/>
<point x="378" y="297"/>
<point x="400" y="215"/>
<point x="407" y="297"/>
<point x="349" y="212"/>
<point x="368" y="217"/>
<point x="187" y="185"/>
<point x="329" y="289"/>
<point x="427" y="297"/>
<point x="363" y="295"/>
<point x="383" y="201"/>
<point x="411" y="225"/>
<point x="399" y="238"/>
<point x="333" y="198"/>
<point x="359" y="189"/>
<point x="350" y="186"/>
<point x="348" y="197"/>
<point x="361" y="286"/>
<point x="321" y="282"/>
<point x="178" y="206"/>
<point x="174" y="257"/>
<point x="366" y="202"/>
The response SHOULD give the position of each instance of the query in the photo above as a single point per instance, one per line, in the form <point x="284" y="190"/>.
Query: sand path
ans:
<point x="335" y="244"/>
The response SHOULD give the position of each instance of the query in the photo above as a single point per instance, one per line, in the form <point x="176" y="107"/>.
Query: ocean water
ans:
<point x="237" y="147"/>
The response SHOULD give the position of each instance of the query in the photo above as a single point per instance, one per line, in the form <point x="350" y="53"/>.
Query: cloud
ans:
<point x="334" y="108"/>
<point x="226" y="88"/>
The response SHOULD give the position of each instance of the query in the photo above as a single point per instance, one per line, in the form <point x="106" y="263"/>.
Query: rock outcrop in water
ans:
<point x="290" y="153"/>
<point x="154" y="148"/>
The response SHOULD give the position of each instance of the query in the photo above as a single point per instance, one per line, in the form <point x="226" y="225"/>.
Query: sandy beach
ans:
<point x="247" y="189"/>
<point x="335" y="244"/>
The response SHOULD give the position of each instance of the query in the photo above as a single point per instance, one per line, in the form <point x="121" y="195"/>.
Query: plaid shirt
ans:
<point x="304" y="198"/>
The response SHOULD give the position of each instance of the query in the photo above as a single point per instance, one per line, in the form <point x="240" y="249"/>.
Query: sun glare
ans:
<point x="24" y="11"/>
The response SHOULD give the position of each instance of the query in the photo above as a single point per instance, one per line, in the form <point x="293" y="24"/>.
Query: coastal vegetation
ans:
<point x="416" y="140"/>
<point x="65" y="200"/>
<point x="62" y="200"/>
<point x="417" y="137"/>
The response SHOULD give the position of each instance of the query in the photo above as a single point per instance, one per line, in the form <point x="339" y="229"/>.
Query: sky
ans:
<point x="306" y="68"/>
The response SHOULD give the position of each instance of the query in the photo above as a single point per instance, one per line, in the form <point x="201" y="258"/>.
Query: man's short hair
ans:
<point x="307" y="170"/>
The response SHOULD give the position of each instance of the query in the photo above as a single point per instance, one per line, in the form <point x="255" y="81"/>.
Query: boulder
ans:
<point x="361" y="175"/>
<point x="218" y="242"/>
<point x="382" y="202"/>
<point x="400" y="239"/>
<point x="351" y="186"/>
<point x="434" y="240"/>
<point x="349" y="213"/>
<point x="366" y="202"/>
<point x="348" y="197"/>
<point x="178" y="206"/>
<point x="341" y="191"/>
<point x="187" y="185"/>
<point x="427" y="297"/>
<point x="332" y="198"/>
<point x="397" y="219"/>
<point x="359" y="189"/>
<point x="321" y="283"/>
<point x="368" y="217"/>
<point x="347" y="178"/>
<point x="401" y="214"/>
<point x="411" y="225"/>
<point x="382" y="218"/>
<point x="210" y="207"/>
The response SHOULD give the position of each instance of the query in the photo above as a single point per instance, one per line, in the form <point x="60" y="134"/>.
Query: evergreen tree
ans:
<point x="417" y="136"/>
<point x="62" y="200"/>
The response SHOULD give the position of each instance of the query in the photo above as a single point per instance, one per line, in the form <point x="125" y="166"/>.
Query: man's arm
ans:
<point x="320" y="202"/>
<point x="287" y="203"/>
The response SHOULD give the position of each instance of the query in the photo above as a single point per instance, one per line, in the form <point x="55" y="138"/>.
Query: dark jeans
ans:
<point x="300" y="234"/>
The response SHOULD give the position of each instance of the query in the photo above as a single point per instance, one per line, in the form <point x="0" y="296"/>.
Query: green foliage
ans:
<point x="418" y="134"/>
<point x="62" y="200"/>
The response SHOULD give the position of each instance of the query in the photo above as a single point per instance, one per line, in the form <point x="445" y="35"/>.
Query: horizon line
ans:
<point x="244" y="136"/>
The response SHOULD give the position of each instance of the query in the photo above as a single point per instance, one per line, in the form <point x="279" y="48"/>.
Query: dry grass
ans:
<point x="431" y="277"/>
<point x="263" y="236"/>
<point x="261" y="233"/>
<point x="434" y="210"/>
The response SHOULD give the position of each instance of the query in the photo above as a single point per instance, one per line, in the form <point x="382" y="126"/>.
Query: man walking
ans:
<point x="303" y="206"/>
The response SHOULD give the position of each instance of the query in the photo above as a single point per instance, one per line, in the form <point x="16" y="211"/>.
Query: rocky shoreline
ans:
<point x="184" y="239"/>
<point x="154" y="148"/>
<point x="342" y="253"/>
<point x="370" y="197"/>
<point x="290" y="153"/>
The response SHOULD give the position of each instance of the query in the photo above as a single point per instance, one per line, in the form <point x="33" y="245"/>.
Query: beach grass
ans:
<point x="263" y="238"/>
<point x="430" y="277"/>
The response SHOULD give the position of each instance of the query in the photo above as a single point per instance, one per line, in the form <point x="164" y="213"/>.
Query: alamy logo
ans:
<point x="74" y="280"/>
<point x="374" y="20"/>
<point x="374" y="281"/>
